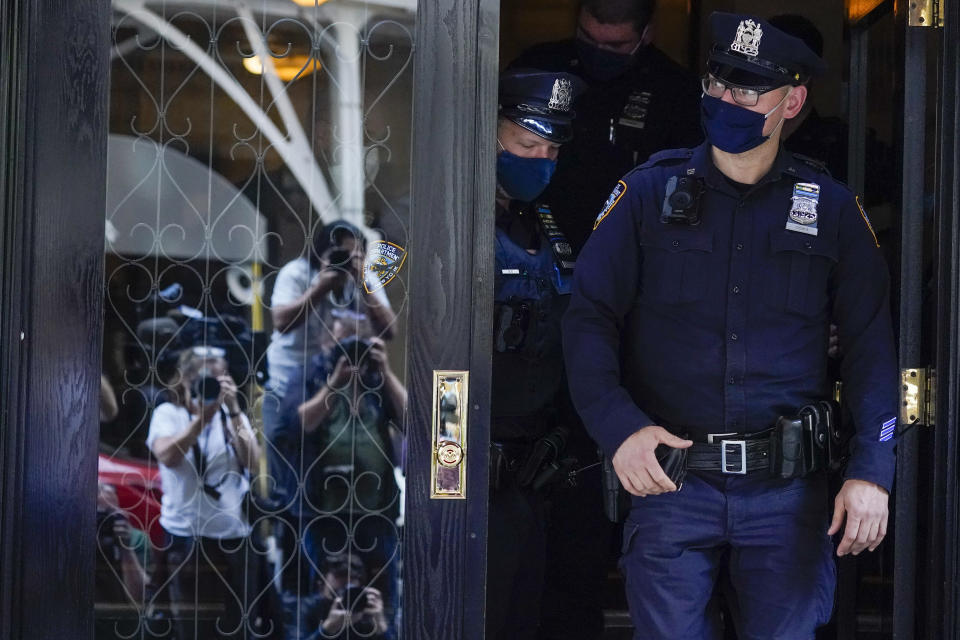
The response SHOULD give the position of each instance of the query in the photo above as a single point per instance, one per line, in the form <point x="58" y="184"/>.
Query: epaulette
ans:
<point x="816" y="165"/>
<point x="661" y="157"/>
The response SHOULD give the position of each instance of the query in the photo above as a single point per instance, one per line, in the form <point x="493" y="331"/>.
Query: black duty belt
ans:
<point x="731" y="453"/>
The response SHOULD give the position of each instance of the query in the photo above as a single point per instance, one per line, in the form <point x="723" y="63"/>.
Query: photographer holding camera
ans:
<point x="205" y="447"/>
<point x="343" y="606"/>
<point x="350" y="429"/>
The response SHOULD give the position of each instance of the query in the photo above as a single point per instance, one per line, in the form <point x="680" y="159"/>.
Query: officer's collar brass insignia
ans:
<point x="383" y="262"/>
<point x="561" y="95"/>
<point x="747" y="40"/>
<point x="803" y="211"/>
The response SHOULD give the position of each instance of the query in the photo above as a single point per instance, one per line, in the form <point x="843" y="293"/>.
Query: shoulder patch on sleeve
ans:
<point x="863" y="214"/>
<point x="611" y="202"/>
<point x="668" y="154"/>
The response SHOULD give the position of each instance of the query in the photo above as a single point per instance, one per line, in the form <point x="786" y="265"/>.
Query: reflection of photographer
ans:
<point x="344" y="605"/>
<point x="349" y="422"/>
<point x="120" y="574"/>
<point x="205" y="447"/>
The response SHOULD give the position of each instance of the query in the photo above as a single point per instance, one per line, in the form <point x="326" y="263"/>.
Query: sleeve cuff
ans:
<point x="874" y="463"/>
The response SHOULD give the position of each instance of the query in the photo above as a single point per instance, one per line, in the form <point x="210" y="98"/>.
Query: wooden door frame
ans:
<point x="942" y="567"/>
<point x="54" y="99"/>
<point x="451" y="261"/>
<point x="54" y="85"/>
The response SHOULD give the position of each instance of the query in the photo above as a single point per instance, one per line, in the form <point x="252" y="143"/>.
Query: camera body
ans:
<point x="339" y="257"/>
<point x="354" y="348"/>
<point x="681" y="201"/>
<point x="354" y="598"/>
<point x="205" y="389"/>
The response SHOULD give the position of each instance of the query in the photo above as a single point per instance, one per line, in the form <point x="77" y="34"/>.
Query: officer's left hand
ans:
<point x="865" y="505"/>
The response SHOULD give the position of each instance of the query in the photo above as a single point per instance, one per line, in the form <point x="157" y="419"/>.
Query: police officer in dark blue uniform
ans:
<point x="699" y="325"/>
<point x="638" y="101"/>
<point x="534" y="267"/>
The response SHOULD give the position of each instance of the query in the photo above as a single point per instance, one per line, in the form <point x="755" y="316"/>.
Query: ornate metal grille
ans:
<point x="258" y="178"/>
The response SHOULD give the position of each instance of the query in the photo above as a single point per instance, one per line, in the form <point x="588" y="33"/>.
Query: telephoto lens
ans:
<point x="206" y="389"/>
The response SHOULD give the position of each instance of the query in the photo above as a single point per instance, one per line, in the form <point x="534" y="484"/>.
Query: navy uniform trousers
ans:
<point x="770" y="534"/>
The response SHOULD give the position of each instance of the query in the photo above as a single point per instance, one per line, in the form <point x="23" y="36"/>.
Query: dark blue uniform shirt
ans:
<point x="724" y="326"/>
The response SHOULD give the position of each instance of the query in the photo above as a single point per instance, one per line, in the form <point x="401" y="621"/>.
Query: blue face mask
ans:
<point x="732" y="128"/>
<point x="523" y="178"/>
<point x="601" y="64"/>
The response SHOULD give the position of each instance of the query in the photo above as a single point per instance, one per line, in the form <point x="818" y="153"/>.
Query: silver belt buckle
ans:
<point x="743" y="456"/>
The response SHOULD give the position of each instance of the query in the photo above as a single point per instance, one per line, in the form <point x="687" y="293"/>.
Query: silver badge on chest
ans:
<point x="803" y="210"/>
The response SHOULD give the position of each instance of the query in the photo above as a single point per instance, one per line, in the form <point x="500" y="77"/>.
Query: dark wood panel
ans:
<point x="943" y="574"/>
<point x="450" y="257"/>
<point x="55" y="288"/>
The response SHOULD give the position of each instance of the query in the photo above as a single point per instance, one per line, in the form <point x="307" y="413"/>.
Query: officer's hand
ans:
<point x="636" y="464"/>
<point x="866" y="507"/>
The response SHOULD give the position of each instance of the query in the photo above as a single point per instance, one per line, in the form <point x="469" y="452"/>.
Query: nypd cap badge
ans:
<point x="561" y="95"/>
<point x="803" y="211"/>
<point x="747" y="40"/>
<point x="383" y="262"/>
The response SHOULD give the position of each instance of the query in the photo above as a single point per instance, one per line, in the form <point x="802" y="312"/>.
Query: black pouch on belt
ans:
<point x="805" y="443"/>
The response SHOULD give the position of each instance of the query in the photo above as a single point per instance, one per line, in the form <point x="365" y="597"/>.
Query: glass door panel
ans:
<point x="253" y="396"/>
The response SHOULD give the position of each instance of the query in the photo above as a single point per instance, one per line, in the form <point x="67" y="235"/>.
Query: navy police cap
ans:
<point x="540" y="101"/>
<point x="750" y="52"/>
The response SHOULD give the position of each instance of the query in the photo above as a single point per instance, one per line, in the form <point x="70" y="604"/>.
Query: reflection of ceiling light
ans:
<point x="309" y="3"/>
<point x="287" y="68"/>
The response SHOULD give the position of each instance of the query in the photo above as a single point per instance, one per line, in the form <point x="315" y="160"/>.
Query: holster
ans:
<point x="806" y="443"/>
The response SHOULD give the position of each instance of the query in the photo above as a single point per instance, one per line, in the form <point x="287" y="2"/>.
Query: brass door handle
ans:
<point x="448" y="462"/>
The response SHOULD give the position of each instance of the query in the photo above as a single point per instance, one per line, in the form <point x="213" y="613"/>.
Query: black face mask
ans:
<point x="604" y="65"/>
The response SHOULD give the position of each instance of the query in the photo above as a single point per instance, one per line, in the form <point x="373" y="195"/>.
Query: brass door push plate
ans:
<point x="448" y="463"/>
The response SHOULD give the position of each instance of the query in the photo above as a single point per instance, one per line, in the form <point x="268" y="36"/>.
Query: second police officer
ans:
<point x="637" y="101"/>
<point x="699" y="323"/>
<point x="534" y="265"/>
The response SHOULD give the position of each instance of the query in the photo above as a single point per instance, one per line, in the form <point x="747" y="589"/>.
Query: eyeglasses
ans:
<point x="715" y="88"/>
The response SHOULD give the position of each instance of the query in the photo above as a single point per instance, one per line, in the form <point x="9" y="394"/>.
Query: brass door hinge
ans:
<point x="918" y="397"/>
<point x="926" y="13"/>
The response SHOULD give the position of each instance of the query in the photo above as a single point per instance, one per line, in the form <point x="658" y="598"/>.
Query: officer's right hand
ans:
<point x="636" y="463"/>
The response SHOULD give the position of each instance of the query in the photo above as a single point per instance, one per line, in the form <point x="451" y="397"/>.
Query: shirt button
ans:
<point x="733" y="337"/>
<point x="736" y="289"/>
<point x="676" y="243"/>
<point x="739" y="246"/>
<point x="808" y="245"/>
<point x="733" y="380"/>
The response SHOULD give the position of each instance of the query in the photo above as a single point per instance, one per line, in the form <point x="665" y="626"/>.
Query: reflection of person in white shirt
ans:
<point x="205" y="446"/>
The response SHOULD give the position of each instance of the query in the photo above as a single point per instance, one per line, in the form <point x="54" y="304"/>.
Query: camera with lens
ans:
<point x="354" y="598"/>
<point x="206" y="389"/>
<point x="354" y="348"/>
<point x="339" y="257"/>
<point x="681" y="202"/>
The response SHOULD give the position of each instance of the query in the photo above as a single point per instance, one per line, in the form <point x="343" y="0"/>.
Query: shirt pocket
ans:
<point x="798" y="279"/>
<point x="675" y="264"/>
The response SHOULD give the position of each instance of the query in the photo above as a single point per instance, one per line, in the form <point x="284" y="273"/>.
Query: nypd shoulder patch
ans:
<point x="863" y="214"/>
<point x="611" y="202"/>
